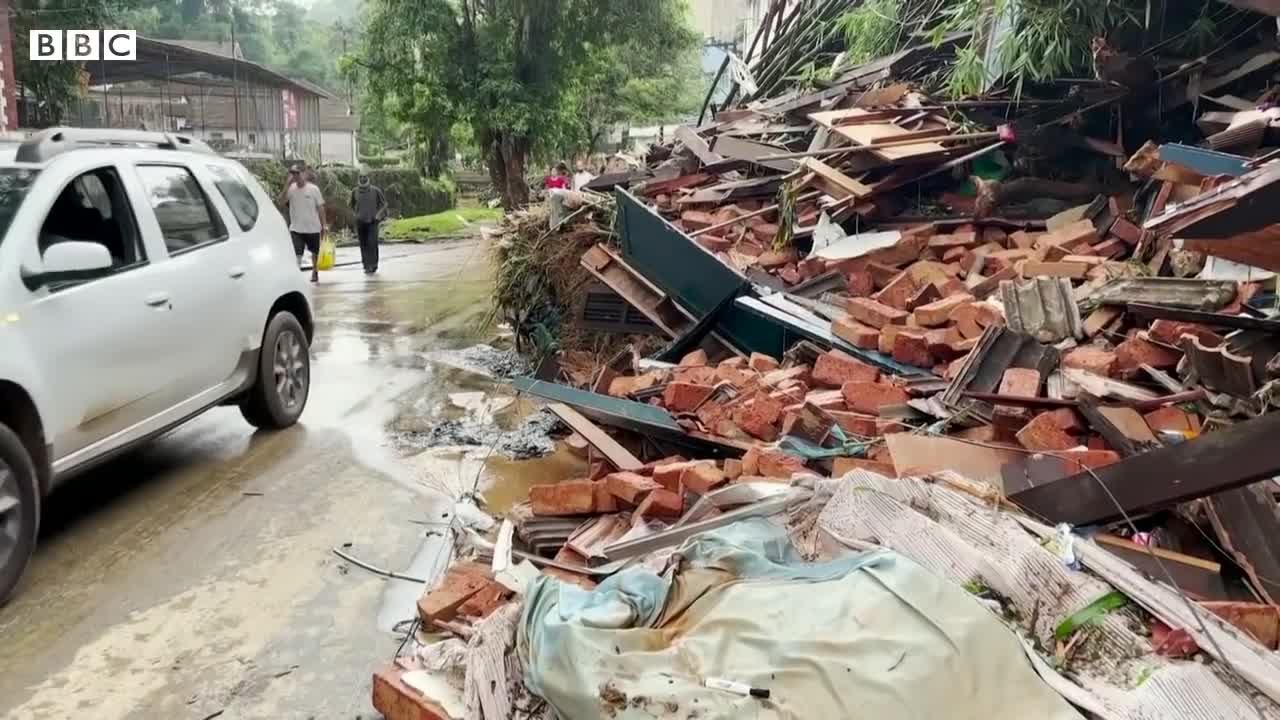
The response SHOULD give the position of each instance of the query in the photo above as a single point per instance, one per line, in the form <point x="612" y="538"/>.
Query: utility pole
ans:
<point x="235" y="71"/>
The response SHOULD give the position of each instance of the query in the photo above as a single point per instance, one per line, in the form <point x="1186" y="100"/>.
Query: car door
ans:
<point x="101" y="343"/>
<point x="206" y="254"/>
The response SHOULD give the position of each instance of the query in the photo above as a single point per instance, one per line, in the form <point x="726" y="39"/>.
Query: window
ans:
<point x="183" y="211"/>
<point x="243" y="205"/>
<point x="94" y="208"/>
<point x="14" y="183"/>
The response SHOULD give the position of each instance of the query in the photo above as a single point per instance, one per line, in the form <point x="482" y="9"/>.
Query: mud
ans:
<point x="485" y="360"/>
<point x="531" y="439"/>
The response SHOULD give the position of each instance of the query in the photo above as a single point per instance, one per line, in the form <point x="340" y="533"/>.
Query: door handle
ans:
<point x="236" y="272"/>
<point x="160" y="299"/>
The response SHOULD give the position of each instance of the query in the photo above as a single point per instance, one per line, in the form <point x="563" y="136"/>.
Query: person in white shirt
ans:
<point x="306" y="216"/>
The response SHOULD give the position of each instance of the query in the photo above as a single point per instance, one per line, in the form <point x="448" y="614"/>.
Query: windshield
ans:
<point x="14" y="183"/>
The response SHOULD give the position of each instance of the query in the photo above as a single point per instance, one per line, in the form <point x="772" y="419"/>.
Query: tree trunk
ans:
<point x="506" y="159"/>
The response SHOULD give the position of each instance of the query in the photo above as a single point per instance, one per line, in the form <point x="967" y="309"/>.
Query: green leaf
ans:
<point x="1113" y="600"/>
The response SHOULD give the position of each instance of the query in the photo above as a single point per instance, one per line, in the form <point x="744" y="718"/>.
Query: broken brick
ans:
<point x="442" y="602"/>
<point x="855" y="423"/>
<point x="1062" y="269"/>
<point x="888" y="426"/>
<point x="855" y="333"/>
<point x="1023" y="240"/>
<point x="954" y="240"/>
<point x="571" y="497"/>
<point x="898" y="293"/>
<point x="842" y="466"/>
<point x="1111" y="249"/>
<point x="483" y="603"/>
<point x="697" y="358"/>
<point x="1133" y="353"/>
<point x="668" y="475"/>
<point x="859" y="283"/>
<point x="1128" y="232"/>
<point x="943" y="343"/>
<point x="605" y="502"/>
<point x="1043" y="434"/>
<point x="1092" y="359"/>
<point x="777" y="464"/>
<point x="661" y="504"/>
<point x="835" y="368"/>
<point x="733" y="468"/>
<point x="762" y="363"/>
<point x="759" y="417"/>
<point x="926" y="294"/>
<point x="888" y="334"/>
<point x="1170" y="332"/>
<point x="1020" y="382"/>
<point x="868" y="398"/>
<point x="629" y="486"/>
<point x="912" y="348"/>
<point x="736" y="377"/>
<point x="826" y="399"/>
<point x="1080" y="460"/>
<point x="679" y="397"/>
<point x="873" y="313"/>
<point x="1173" y="419"/>
<point x="801" y="373"/>
<point x="1067" y="420"/>
<point x="938" y="313"/>
<point x="702" y="478"/>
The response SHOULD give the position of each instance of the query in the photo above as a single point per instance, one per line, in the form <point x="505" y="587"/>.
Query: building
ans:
<point x="728" y="22"/>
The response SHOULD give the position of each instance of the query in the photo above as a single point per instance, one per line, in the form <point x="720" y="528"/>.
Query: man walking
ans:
<point x="370" y="207"/>
<point x="306" y="216"/>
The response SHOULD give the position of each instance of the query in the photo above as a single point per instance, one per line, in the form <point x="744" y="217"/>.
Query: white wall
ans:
<point x="338" y="146"/>
<point x="728" y="20"/>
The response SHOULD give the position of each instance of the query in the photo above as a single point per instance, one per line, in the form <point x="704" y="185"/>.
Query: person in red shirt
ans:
<point x="558" y="180"/>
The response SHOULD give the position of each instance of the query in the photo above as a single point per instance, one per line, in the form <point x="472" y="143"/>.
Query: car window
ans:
<point x="243" y="206"/>
<point x="185" y="216"/>
<point x="94" y="207"/>
<point x="14" y="184"/>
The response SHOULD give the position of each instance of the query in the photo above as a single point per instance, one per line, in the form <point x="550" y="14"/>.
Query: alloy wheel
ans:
<point x="10" y="514"/>
<point x="290" y="369"/>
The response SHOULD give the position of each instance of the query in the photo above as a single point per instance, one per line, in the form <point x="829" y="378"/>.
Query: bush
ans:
<point x="407" y="193"/>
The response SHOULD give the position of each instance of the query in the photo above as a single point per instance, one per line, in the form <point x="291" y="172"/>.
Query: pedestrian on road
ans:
<point x="306" y="216"/>
<point x="370" y="207"/>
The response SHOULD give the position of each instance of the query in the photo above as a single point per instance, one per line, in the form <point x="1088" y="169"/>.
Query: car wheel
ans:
<point x="19" y="511"/>
<point x="284" y="376"/>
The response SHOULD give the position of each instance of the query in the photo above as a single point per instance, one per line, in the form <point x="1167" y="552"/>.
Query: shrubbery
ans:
<point x="408" y="194"/>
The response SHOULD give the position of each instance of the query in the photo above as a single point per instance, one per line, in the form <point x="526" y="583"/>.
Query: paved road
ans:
<point x="195" y="576"/>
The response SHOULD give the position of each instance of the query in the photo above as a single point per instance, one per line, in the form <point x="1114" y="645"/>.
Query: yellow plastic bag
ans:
<point x="327" y="251"/>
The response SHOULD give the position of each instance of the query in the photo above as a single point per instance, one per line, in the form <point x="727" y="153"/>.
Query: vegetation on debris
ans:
<point x="526" y="76"/>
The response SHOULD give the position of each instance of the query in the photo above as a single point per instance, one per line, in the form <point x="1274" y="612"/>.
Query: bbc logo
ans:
<point x="84" y="45"/>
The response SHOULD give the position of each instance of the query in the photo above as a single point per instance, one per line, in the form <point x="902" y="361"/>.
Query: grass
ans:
<point x="442" y="224"/>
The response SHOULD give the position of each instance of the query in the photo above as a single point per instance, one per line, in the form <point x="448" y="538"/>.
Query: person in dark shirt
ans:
<point x="370" y="207"/>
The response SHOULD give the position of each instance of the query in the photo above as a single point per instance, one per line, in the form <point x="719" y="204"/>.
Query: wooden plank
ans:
<point x="837" y="184"/>
<point x="697" y="145"/>
<point x="597" y="438"/>
<point x="1199" y="578"/>
<point x="1122" y="427"/>
<point x="636" y="290"/>
<point x="914" y="135"/>
<point x="1211" y="463"/>
<point x="734" y="148"/>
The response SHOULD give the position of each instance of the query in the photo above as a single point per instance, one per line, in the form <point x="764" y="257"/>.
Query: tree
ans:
<point x="526" y="75"/>
<point x="55" y="85"/>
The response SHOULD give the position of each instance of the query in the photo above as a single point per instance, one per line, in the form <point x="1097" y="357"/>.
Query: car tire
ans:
<point x="280" y="393"/>
<point x="19" y="511"/>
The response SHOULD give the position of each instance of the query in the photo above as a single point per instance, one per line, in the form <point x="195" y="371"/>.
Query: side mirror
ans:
<point x="69" y="261"/>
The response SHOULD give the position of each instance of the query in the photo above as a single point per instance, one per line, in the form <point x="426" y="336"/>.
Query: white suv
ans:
<point x="143" y="280"/>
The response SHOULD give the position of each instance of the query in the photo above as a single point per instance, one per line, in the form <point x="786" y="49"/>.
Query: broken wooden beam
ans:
<point x="1210" y="464"/>
<point x="618" y="456"/>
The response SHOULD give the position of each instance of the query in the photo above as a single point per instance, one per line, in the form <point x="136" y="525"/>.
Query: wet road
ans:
<point x="195" y="576"/>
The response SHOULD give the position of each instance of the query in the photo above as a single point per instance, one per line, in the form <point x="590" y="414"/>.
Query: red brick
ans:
<point x="681" y="397"/>
<point x="868" y="398"/>
<point x="483" y="603"/>
<point x="1042" y="434"/>
<point x="939" y="313"/>
<point x="1172" y="418"/>
<point x="1062" y="269"/>
<point x="898" y="293"/>
<point x="696" y="219"/>
<point x="1126" y="231"/>
<point x="855" y="423"/>
<point x="777" y="464"/>
<point x="981" y="433"/>
<point x="953" y="368"/>
<point x="397" y="701"/>
<point x="605" y="502"/>
<point x="751" y="461"/>
<point x="733" y="468"/>
<point x="926" y="294"/>
<point x="946" y="242"/>
<point x="826" y="399"/>
<point x="1135" y="352"/>
<point x="442" y="602"/>
<point x="855" y="333"/>
<point x="762" y="363"/>
<point x="888" y="426"/>
<point x="1022" y="382"/>
<point x="875" y="314"/>
<point x="835" y="368"/>
<point x="702" y="478"/>
<point x="629" y="486"/>
<point x="1023" y="239"/>
<point x="759" y="416"/>
<point x="1080" y="232"/>
<point x="1093" y="359"/>
<point x="668" y="476"/>
<point x="735" y="376"/>
<point x="942" y="343"/>
<point x="661" y="504"/>
<point x="715" y="243"/>
<point x="888" y="334"/>
<point x="694" y="375"/>
<point x="697" y="358"/>
<point x="955" y="254"/>
<point x="1111" y="248"/>
<point x="981" y="287"/>
<point x="963" y="347"/>
<point x="737" y="362"/>
<point x="842" y="466"/>
<point x="571" y="497"/>
<point x="1170" y="332"/>
<point x="1002" y="259"/>
<point x="1067" y="420"/>
<point x="859" y="283"/>
<point x="912" y="348"/>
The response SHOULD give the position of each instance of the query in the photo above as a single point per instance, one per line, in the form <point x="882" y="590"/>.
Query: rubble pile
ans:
<point x="1002" y="342"/>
